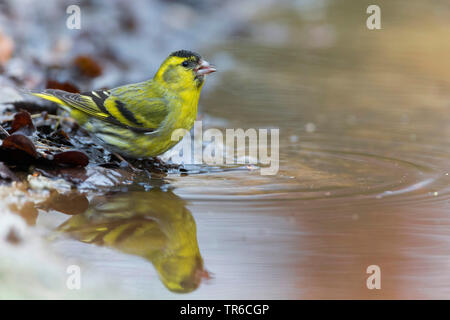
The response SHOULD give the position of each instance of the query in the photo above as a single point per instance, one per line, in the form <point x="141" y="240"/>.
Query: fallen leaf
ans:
<point x="66" y="86"/>
<point x="18" y="141"/>
<point x="87" y="66"/>
<point x="22" y="122"/>
<point x="71" y="158"/>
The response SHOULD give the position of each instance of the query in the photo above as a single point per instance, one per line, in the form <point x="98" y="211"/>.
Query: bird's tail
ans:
<point x="50" y="96"/>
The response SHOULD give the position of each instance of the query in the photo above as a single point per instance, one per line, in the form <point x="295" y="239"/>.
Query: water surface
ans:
<point x="364" y="166"/>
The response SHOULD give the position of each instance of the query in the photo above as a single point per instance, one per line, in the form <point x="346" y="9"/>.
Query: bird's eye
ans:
<point x="185" y="63"/>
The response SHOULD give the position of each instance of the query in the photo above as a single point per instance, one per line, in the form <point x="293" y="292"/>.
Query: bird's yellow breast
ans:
<point x="188" y="110"/>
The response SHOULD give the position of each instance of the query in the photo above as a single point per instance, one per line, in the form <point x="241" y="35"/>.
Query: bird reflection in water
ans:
<point x="154" y="225"/>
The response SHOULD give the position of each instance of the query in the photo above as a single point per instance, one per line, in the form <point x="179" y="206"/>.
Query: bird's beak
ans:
<point x="204" y="68"/>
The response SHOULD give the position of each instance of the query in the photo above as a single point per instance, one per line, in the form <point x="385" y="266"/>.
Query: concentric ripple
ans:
<point x="318" y="174"/>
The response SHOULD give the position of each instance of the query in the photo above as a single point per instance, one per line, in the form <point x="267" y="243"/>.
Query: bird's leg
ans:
<point x="58" y="123"/>
<point x="122" y="159"/>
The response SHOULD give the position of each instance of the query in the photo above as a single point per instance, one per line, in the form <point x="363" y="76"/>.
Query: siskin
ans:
<point x="137" y="120"/>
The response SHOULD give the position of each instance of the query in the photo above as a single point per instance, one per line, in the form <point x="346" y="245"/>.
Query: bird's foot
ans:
<point x="163" y="164"/>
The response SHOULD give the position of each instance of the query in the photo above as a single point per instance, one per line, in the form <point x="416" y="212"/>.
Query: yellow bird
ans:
<point x="137" y="120"/>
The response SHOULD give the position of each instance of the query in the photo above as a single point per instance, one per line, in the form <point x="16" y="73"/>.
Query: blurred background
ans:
<point x="364" y="151"/>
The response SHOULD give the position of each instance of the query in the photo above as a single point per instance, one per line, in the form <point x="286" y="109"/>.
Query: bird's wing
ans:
<point x="140" y="105"/>
<point x="80" y="102"/>
<point x="131" y="108"/>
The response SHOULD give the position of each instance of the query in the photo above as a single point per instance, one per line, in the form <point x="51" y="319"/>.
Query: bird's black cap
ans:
<point x="186" y="54"/>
